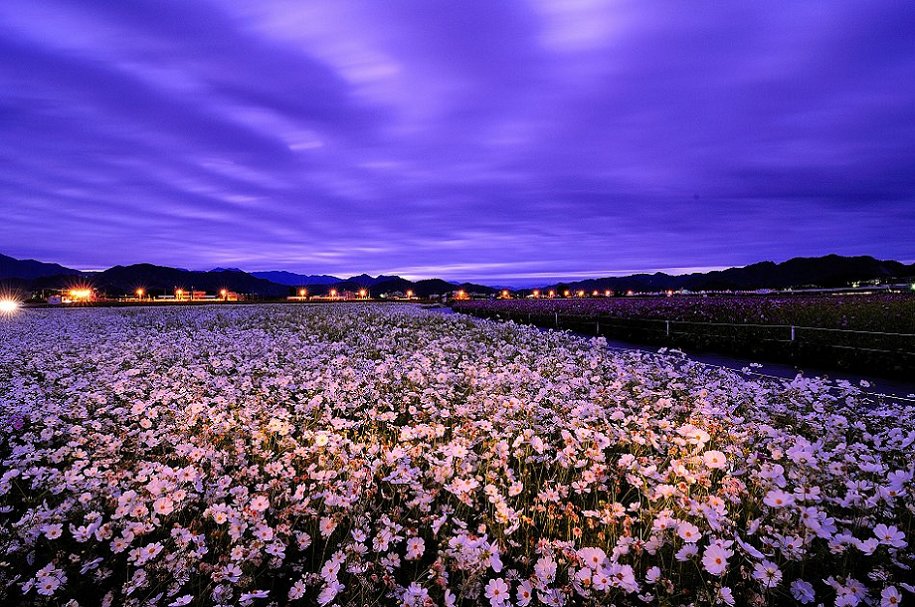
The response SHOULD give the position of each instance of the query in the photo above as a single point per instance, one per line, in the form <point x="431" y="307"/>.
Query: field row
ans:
<point x="867" y="334"/>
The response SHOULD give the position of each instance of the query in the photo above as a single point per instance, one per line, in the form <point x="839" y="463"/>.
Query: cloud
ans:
<point x="470" y="140"/>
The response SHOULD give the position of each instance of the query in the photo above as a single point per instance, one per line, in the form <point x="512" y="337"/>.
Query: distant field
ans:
<point x="859" y="312"/>
<point x="874" y="333"/>
<point x="390" y="456"/>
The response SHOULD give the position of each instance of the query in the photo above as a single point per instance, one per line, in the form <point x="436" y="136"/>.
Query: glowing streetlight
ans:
<point x="362" y="293"/>
<point x="80" y="294"/>
<point x="224" y="294"/>
<point x="552" y="294"/>
<point x="461" y="294"/>
<point x="565" y="293"/>
<point x="536" y="293"/>
<point x="8" y="306"/>
<point x="409" y="293"/>
<point x="333" y="292"/>
<point x="303" y="292"/>
<point x="608" y="293"/>
<point x="581" y="293"/>
<point x="179" y="293"/>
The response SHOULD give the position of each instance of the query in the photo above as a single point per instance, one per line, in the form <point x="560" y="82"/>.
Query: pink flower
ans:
<point x="890" y="535"/>
<point x="715" y="559"/>
<point x="688" y="532"/>
<point x="415" y="548"/>
<point x="777" y="498"/>
<point x="525" y="593"/>
<point x="714" y="459"/>
<point x="497" y="592"/>
<point x="259" y="503"/>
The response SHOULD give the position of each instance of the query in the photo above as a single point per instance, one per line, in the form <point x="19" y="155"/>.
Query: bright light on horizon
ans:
<point x="8" y="306"/>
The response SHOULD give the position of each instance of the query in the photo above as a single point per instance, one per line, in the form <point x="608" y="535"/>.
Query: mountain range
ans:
<point x="828" y="271"/>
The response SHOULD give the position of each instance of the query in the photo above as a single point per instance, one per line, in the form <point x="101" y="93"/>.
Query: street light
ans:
<point x="140" y="293"/>
<point x="409" y="293"/>
<point x="225" y="294"/>
<point x="333" y="292"/>
<point x="303" y="292"/>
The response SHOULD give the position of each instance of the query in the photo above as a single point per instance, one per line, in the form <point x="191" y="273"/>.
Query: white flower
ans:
<point x="890" y="597"/>
<point x="497" y="592"/>
<point x="297" y="590"/>
<point x="776" y="498"/>
<point x="714" y="459"/>
<point x="767" y="574"/>
<point x="688" y="532"/>
<point x="163" y="506"/>
<point x="53" y="531"/>
<point x="524" y="593"/>
<point x="890" y="535"/>
<point x="715" y="559"/>
<point x="415" y="548"/>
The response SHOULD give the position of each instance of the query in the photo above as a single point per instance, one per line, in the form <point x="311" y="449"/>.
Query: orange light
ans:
<point x="80" y="293"/>
<point x="536" y="293"/>
<point x="140" y="292"/>
<point x="594" y="293"/>
<point x="223" y="292"/>
<point x="552" y="294"/>
<point x="607" y="293"/>
<point x="409" y="293"/>
<point x="333" y="292"/>
<point x="303" y="292"/>
<point x="565" y="293"/>
<point x="669" y="293"/>
<point x="581" y="293"/>
<point x="362" y="292"/>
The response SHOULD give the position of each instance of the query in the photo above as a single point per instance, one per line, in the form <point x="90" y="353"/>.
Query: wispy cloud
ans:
<point x="479" y="140"/>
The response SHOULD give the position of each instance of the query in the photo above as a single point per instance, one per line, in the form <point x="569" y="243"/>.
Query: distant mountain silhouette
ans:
<point x="296" y="280"/>
<point x="29" y="269"/>
<point x="826" y="271"/>
<point x="162" y="279"/>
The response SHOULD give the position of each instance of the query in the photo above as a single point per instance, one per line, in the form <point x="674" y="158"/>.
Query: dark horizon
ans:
<point x="497" y="142"/>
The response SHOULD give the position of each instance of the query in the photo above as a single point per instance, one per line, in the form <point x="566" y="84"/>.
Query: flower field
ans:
<point x="372" y="455"/>
<point x="853" y="312"/>
<point x="871" y="335"/>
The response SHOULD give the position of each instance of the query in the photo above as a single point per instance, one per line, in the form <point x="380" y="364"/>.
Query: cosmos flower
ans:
<point x="334" y="452"/>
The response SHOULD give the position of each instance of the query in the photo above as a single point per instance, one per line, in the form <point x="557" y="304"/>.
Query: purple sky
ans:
<point x="488" y="140"/>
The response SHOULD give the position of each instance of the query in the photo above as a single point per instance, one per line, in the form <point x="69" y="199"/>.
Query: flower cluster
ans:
<point x="379" y="455"/>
